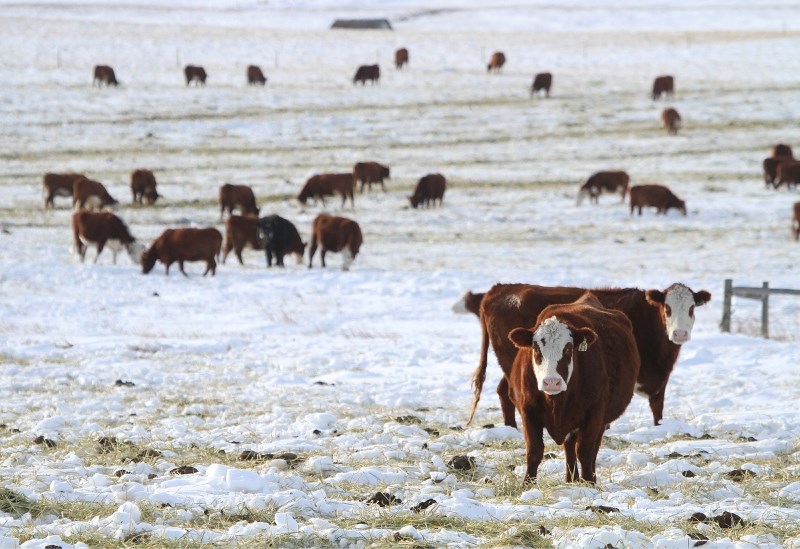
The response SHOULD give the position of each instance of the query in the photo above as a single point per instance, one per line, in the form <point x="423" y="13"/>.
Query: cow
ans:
<point x="469" y="303"/>
<point x="367" y="72"/>
<point x="400" y="58"/>
<point x="671" y="120"/>
<point x="606" y="181"/>
<point x="279" y="237"/>
<point x="103" y="74"/>
<point x="326" y="184"/>
<point x="103" y="228"/>
<point x="796" y="221"/>
<point x="788" y="171"/>
<point x="335" y="234"/>
<point x="782" y="150"/>
<point x="90" y="194"/>
<point x="368" y="173"/>
<point x="181" y="245"/>
<point x="780" y="153"/>
<point x="542" y="81"/>
<point x="496" y="62"/>
<point x="255" y="76"/>
<point x="657" y="196"/>
<point x="663" y="85"/>
<point x="237" y="196"/>
<point x="574" y="373"/>
<point x="196" y="74"/>
<point x="240" y="231"/>
<point x="662" y="322"/>
<point x="57" y="184"/>
<point x="143" y="187"/>
<point x="429" y="189"/>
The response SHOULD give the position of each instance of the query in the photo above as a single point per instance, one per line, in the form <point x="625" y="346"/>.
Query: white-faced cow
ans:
<point x="57" y="184"/>
<point x="606" y="181"/>
<point x="181" y="245"/>
<point x="91" y="195"/>
<point x="655" y="196"/>
<point x="103" y="229"/>
<point x="279" y="237"/>
<point x="335" y="234"/>
<point x="326" y="184"/>
<point x="143" y="187"/>
<point x="232" y="197"/>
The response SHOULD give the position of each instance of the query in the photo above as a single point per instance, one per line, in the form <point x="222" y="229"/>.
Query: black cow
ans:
<point x="279" y="236"/>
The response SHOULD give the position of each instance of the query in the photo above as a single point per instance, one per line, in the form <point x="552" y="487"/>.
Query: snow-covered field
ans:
<point x="344" y="384"/>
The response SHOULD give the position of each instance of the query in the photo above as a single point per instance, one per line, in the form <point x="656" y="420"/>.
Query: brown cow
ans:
<point x="57" y="184"/>
<point x="100" y="229"/>
<point x="663" y="85"/>
<point x="143" y="187"/>
<point x="469" y="303"/>
<point x="662" y="322"/>
<point x="240" y="231"/>
<point x="237" y="196"/>
<point x="788" y="171"/>
<point x="326" y="184"/>
<point x="90" y="194"/>
<point x="796" y="220"/>
<point x="196" y="74"/>
<point x="367" y="72"/>
<point x="335" y="234"/>
<point x="255" y="76"/>
<point x="671" y="120"/>
<point x="188" y="244"/>
<point x="782" y="150"/>
<point x="400" y="58"/>
<point x="657" y="196"/>
<point x="429" y="189"/>
<point x="574" y="374"/>
<point x="780" y="153"/>
<point x="369" y="173"/>
<point x="607" y="181"/>
<point x="496" y="62"/>
<point x="103" y="74"/>
<point x="542" y="81"/>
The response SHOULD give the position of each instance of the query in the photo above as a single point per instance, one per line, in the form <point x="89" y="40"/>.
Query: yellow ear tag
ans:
<point x="583" y="346"/>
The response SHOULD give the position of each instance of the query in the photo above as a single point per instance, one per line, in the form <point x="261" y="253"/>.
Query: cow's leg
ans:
<point x="534" y="447"/>
<point x="505" y="403"/>
<point x="279" y="259"/>
<point x="211" y="266"/>
<point x="383" y="185"/>
<point x="100" y="245"/>
<point x="268" y="253"/>
<point x="589" y="438"/>
<point x="226" y="250"/>
<point x="180" y="266"/>
<point x="238" y="251"/>
<point x="571" y="458"/>
<point x="322" y="253"/>
<point x="657" y="405"/>
<point x="312" y="250"/>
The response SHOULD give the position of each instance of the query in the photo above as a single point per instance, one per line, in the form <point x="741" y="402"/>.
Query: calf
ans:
<point x="496" y="62"/>
<point x="188" y="244"/>
<point x="90" y="195"/>
<point x="542" y="81"/>
<point x="100" y="229"/>
<point x="196" y="74"/>
<point x="573" y="374"/>
<point x="326" y="184"/>
<point x="57" y="184"/>
<point x="608" y="181"/>
<point x="400" y="58"/>
<point x="657" y="196"/>
<point x="788" y="171"/>
<point x="663" y="85"/>
<point x="429" y="189"/>
<point x="279" y="237"/>
<point x="255" y="76"/>
<point x="335" y="234"/>
<point x="369" y="173"/>
<point x="143" y="187"/>
<point x="103" y="74"/>
<point x="662" y="322"/>
<point x="796" y="221"/>
<point x="240" y="231"/>
<point x="469" y="303"/>
<point x="237" y="196"/>
<point x="367" y="72"/>
<point x="671" y="120"/>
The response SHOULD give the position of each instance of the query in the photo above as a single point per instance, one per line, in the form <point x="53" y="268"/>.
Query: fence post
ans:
<point x="725" y="325"/>
<point x="765" y="311"/>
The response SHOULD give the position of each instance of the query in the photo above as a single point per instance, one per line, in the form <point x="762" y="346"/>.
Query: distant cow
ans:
<point x="469" y="303"/>
<point x="279" y="237"/>
<point x="327" y="184"/>
<point x="429" y="189"/>
<point x="89" y="194"/>
<point x="181" y="245"/>
<point x="671" y="120"/>
<point x="335" y="234"/>
<point x="796" y="220"/>
<point x="367" y="72"/>
<point x="143" y="187"/>
<point x="255" y="76"/>
<point x="240" y="231"/>
<point x="663" y="85"/>
<point x="400" y="58"/>
<point x="103" y="74"/>
<point x="496" y="62"/>
<point x="99" y="229"/>
<point x="574" y="374"/>
<point x="600" y="182"/>
<point x="780" y="153"/>
<point x="196" y="74"/>
<point x="57" y="184"/>
<point x="788" y="171"/>
<point x="542" y="81"/>
<point x="237" y="196"/>
<point x="782" y="150"/>
<point x="368" y="173"/>
<point x="656" y="196"/>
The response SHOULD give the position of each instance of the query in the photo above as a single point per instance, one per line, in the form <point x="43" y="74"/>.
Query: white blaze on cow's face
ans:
<point x="679" y="314"/>
<point x="552" y="356"/>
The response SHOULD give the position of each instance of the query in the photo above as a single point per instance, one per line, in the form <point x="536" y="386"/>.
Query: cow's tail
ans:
<point x="479" y="375"/>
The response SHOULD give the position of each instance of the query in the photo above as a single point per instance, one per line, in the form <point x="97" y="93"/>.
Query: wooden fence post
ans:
<point x="765" y="311"/>
<point x="725" y="325"/>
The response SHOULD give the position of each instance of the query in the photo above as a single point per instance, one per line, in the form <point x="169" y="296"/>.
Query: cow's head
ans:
<point x="553" y="344"/>
<point x="677" y="304"/>
<point x="148" y="260"/>
<point x="136" y="251"/>
<point x="682" y="207"/>
<point x="414" y="200"/>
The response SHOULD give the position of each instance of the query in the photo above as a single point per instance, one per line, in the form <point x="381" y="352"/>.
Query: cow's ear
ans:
<point x="701" y="298"/>
<point x="584" y="338"/>
<point x="521" y="338"/>
<point x="655" y="297"/>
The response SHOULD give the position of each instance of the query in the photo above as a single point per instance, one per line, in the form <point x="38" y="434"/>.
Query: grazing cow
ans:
<point x="662" y="321"/>
<point x="780" y="153"/>
<point x="469" y="303"/>
<point x="143" y="187"/>
<point x="279" y="237"/>
<point x="671" y="120"/>
<point x="429" y="189"/>
<point x="103" y="228"/>
<point x="496" y="62"/>
<point x="782" y="150"/>
<point x="663" y="85"/>
<point x="400" y="58"/>
<point x="240" y="231"/>
<point x="657" y="196"/>
<point x="335" y="234"/>
<point x="326" y="184"/>
<point x="788" y="171"/>
<point x="367" y="72"/>
<point x="608" y="181"/>
<point x="237" y="196"/>
<point x="57" y="184"/>
<point x="255" y="76"/>
<point x="796" y="220"/>
<point x="369" y="173"/>
<point x="542" y="81"/>
<point x="574" y="373"/>
<point x="188" y="244"/>
<point x="103" y="74"/>
<point x="90" y="194"/>
<point x="196" y="74"/>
